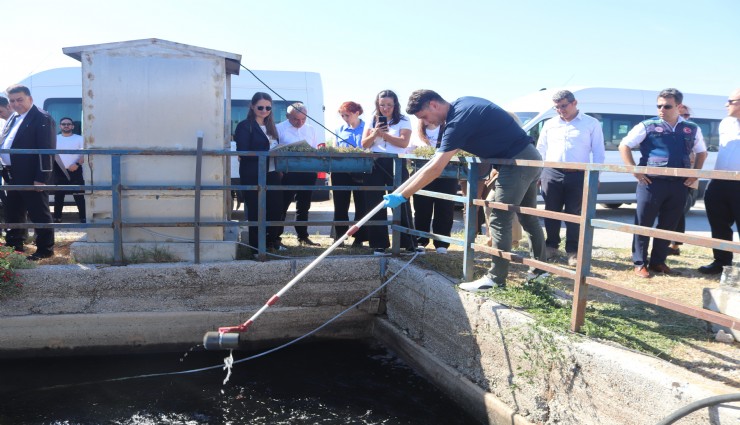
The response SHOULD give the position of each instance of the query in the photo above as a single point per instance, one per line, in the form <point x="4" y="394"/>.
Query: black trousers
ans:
<point x="723" y="210"/>
<point x="562" y="191"/>
<point x="33" y="203"/>
<point x="341" y="199"/>
<point x="663" y="199"/>
<point x="433" y="213"/>
<point x="273" y="210"/>
<point x="382" y="175"/>
<point x="302" y="199"/>
<point x="75" y="178"/>
<point x="690" y="200"/>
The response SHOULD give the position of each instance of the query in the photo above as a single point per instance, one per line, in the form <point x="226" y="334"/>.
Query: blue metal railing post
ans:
<point x="262" y="206"/>
<point x="196" y="220"/>
<point x="471" y="223"/>
<point x="398" y="164"/>
<point x="585" y="238"/>
<point x="116" y="194"/>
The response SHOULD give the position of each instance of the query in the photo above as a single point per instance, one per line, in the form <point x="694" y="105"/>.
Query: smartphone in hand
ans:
<point x="383" y="120"/>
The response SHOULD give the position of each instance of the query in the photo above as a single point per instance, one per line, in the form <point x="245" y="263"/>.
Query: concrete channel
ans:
<point x="493" y="361"/>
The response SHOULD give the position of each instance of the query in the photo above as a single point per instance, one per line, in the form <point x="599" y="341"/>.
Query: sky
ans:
<point x="495" y="49"/>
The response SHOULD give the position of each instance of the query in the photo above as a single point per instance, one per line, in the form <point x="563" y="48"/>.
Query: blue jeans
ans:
<point x="516" y="186"/>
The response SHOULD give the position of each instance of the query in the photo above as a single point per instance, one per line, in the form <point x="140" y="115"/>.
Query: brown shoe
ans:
<point x="662" y="268"/>
<point x="641" y="271"/>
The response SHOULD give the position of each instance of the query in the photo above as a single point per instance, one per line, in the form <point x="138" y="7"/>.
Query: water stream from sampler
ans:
<point x="342" y="382"/>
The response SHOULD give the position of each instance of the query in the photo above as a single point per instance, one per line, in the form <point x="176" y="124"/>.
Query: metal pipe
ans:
<point x="228" y="337"/>
<point x="690" y="408"/>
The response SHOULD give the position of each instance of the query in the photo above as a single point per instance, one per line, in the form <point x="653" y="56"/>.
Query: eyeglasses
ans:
<point x="561" y="106"/>
<point x="664" y="106"/>
<point x="732" y="101"/>
<point x="262" y="108"/>
<point x="66" y="124"/>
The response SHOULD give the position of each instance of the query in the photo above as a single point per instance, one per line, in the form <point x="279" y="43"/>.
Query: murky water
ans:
<point x="320" y="383"/>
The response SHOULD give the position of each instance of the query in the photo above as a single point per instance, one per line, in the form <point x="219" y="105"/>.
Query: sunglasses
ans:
<point x="263" y="108"/>
<point x="732" y="101"/>
<point x="664" y="106"/>
<point x="66" y="123"/>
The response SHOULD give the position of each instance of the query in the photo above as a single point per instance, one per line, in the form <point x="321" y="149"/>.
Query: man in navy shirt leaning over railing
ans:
<point x="482" y="128"/>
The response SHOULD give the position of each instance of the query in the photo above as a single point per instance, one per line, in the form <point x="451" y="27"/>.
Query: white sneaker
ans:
<point x="536" y="275"/>
<point x="441" y="250"/>
<point x="483" y="284"/>
<point x="572" y="260"/>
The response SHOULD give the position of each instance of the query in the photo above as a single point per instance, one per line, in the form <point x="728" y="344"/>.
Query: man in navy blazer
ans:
<point x="28" y="128"/>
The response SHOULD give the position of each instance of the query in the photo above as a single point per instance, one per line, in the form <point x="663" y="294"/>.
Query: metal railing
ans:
<point x="119" y="189"/>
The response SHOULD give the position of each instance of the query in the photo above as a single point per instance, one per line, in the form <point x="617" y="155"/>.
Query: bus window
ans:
<point x="710" y="131"/>
<point x="534" y="132"/>
<point x="239" y="109"/>
<point x="59" y="108"/>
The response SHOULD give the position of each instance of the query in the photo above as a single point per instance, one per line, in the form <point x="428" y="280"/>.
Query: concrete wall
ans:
<point x="77" y="309"/>
<point x="527" y="373"/>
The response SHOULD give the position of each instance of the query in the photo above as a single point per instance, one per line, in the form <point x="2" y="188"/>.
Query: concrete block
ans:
<point x="725" y="300"/>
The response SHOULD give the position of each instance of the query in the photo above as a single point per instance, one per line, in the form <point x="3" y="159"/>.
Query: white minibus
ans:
<point x="59" y="92"/>
<point x="619" y="110"/>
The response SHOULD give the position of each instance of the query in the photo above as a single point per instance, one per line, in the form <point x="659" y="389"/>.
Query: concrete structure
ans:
<point x="491" y="359"/>
<point x="156" y="94"/>
<point x="725" y="299"/>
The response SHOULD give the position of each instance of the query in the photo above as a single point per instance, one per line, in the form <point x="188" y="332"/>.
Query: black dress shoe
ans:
<point x="38" y="255"/>
<point x="307" y="241"/>
<point x="17" y="248"/>
<point x="714" y="268"/>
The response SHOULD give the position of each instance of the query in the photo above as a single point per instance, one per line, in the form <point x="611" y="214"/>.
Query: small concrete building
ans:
<point x="156" y="94"/>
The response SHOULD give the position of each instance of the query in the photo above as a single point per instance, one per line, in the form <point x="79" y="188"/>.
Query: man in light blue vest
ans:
<point x="664" y="141"/>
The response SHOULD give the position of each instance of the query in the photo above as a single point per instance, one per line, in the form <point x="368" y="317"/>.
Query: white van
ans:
<point x="59" y="92"/>
<point x="619" y="110"/>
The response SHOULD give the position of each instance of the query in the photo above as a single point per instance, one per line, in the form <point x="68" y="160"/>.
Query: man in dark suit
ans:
<point x="28" y="128"/>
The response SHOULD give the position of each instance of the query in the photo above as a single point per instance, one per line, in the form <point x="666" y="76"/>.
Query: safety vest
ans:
<point x="666" y="147"/>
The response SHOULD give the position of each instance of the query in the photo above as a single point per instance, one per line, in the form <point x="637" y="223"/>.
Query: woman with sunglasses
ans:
<point x="389" y="132"/>
<point x="258" y="133"/>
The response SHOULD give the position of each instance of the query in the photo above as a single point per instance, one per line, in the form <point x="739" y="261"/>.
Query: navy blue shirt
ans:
<point x="482" y="128"/>
<point x="350" y="137"/>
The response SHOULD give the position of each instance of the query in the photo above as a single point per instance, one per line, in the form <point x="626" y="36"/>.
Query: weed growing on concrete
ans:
<point x="154" y="255"/>
<point x="10" y="261"/>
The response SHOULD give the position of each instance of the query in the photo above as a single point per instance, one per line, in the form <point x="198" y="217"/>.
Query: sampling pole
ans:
<point x="227" y="337"/>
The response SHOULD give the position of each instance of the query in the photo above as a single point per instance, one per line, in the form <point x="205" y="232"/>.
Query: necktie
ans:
<point x="6" y="129"/>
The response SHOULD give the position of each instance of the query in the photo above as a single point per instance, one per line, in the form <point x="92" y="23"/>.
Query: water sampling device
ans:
<point x="227" y="337"/>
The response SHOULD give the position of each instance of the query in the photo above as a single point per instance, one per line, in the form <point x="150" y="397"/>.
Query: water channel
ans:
<point x="342" y="382"/>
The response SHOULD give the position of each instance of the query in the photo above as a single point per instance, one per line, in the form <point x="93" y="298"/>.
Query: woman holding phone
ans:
<point x="388" y="132"/>
<point x="258" y="133"/>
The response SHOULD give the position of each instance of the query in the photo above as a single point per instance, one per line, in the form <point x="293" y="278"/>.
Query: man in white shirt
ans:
<point x="571" y="137"/>
<point x="72" y="172"/>
<point x="5" y="113"/>
<point x="664" y="141"/>
<point x="294" y="129"/>
<point x="721" y="199"/>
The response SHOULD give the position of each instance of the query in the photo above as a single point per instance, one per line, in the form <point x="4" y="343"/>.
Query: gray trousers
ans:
<point x="516" y="186"/>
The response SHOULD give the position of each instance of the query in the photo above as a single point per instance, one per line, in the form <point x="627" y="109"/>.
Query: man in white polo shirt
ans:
<point x="295" y="129"/>
<point x="571" y="137"/>
<point x="72" y="172"/>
